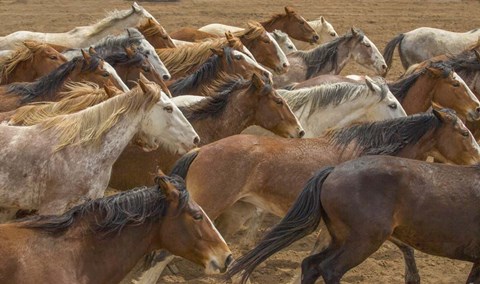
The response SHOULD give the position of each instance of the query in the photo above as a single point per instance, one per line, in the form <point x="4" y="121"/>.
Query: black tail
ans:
<point x="301" y="220"/>
<point x="390" y="48"/>
<point x="183" y="164"/>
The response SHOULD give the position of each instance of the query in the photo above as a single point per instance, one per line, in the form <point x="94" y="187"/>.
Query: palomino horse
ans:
<point x="284" y="41"/>
<point x="236" y="105"/>
<point x="424" y="43"/>
<point x="115" y="22"/>
<point x="184" y="60"/>
<point x="28" y="62"/>
<point x="273" y="170"/>
<point x="325" y="31"/>
<point x="367" y="201"/>
<point x="131" y="38"/>
<point x="192" y="34"/>
<point x="223" y="64"/>
<point x="156" y="35"/>
<point x="291" y="23"/>
<point x="88" y="67"/>
<point x="331" y="58"/>
<point x="126" y="227"/>
<point x="93" y="138"/>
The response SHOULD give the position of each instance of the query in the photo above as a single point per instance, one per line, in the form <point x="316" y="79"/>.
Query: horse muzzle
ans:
<point x="214" y="268"/>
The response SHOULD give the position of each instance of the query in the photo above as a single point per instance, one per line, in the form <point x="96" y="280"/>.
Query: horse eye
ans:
<point x="465" y="134"/>
<point x="367" y="45"/>
<point x="106" y="74"/>
<point x="238" y="57"/>
<point x="279" y="102"/>
<point x="393" y="106"/>
<point x="456" y="84"/>
<point x="147" y="52"/>
<point x="198" y="217"/>
<point x="53" y="57"/>
<point x="332" y="34"/>
<point x="266" y="41"/>
<point x="146" y="69"/>
<point x="168" y="109"/>
<point x="290" y="47"/>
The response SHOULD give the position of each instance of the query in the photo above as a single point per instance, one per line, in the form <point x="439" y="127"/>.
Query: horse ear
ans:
<point x="289" y="10"/>
<point x="371" y="84"/>
<point x="257" y="81"/>
<point x="434" y="71"/>
<point x="151" y="22"/>
<point x="30" y="44"/>
<point x="354" y="31"/>
<point x="135" y="7"/>
<point x="322" y="19"/>
<point x="440" y="113"/>
<point x="229" y="35"/>
<point x="110" y="90"/>
<point x="91" y="50"/>
<point x="130" y="52"/>
<point x="86" y="56"/>
<point x="477" y="54"/>
<point x="142" y="81"/>
<point x="171" y="194"/>
<point x="217" y="51"/>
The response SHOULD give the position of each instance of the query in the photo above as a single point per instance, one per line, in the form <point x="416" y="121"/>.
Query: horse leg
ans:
<point x="474" y="276"/>
<point x="253" y="225"/>
<point x="411" y="271"/>
<point x="149" y="269"/>
<point x="231" y="220"/>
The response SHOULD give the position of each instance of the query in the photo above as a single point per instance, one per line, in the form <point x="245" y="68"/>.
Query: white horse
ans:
<point x="424" y="43"/>
<point x="64" y="160"/>
<point x="325" y="31"/>
<point x="115" y="22"/>
<point x="284" y="41"/>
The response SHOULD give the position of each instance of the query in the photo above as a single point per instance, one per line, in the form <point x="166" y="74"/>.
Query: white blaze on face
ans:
<point x="115" y="76"/>
<point x="251" y="62"/>
<point x="470" y="93"/>
<point x="247" y="52"/>
<point x="281" y="55"/>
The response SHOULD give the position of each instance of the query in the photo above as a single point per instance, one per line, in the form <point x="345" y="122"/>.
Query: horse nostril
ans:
<point x="477" y="109"/>
<point x="229" y="260"/>
<point x="315" y="37"/>
<point x="196" y="140"/>
<point x="384" y="67"/>
<point x="166" y="77"/>
<point x="301" y="133"/>
<point x="285" y="65"/>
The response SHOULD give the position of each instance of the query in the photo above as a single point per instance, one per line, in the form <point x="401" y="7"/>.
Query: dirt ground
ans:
<point x="380" y="19"/>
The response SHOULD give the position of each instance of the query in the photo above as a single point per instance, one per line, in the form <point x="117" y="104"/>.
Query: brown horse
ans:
<point x="290" y="23"/>
<point x="29" y="62"/>
<point x="156" y="34"/>
<point x="364" y="202"/>
<point x="235" y="105"/>
<point x="100" y="241"/>
<point x="191" y="34"/>
<point x="88" y="67"/>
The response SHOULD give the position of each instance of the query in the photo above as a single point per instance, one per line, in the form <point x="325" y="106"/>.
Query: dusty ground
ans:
<point x="380" y="19"/>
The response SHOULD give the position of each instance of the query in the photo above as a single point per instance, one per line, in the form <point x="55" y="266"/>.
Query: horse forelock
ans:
<point x="109" y="215"/>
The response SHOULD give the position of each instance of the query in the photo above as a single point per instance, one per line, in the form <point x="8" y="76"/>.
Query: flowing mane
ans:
<point x="277" y="17"/>
<point x="20" y="54"/>
<point x="324" y="55"/>
<point x="122" y="58"/>
<point x="214" y="105"/>
<point x="401" y="87"/>
<point x="253" y="31"/>
<point x="181" y="59"/>
<point x="109" y="215"/>
<point x="386" y="137"/>
<point x="78" y="96"/>
<point x="328" y="95"/>
<point x="150" y="28"/>
<point x="465" y="62"/>
<point x="207" y="72"/>
<point x="54" y="81"/>
<point x="89" y="125"/>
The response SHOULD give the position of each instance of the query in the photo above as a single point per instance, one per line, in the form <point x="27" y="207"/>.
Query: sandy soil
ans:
<point x="380" y="19"/>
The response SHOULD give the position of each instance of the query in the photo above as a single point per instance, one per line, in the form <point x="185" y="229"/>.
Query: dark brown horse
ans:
<point x="100" y="241"/>
<point x="88" y="67"/>
<point x="156" y="35"/>
<point x="364" y="202"/>
<point x="29" y="62"/>
<point x="229" y="110"/>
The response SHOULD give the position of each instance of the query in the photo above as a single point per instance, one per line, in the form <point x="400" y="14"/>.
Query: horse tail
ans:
<point x="390" y="48"/>
<point x="183" y="164"/>
<point x="301" y="220"/>
<point x="290" y="87"/>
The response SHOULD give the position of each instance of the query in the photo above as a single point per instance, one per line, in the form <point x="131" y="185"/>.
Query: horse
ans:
<point x="192" y="34"/>
<point x="29" y="61"/>
<point x="130" y="38"/>
<point x="331" y="58"/>
<point x="125" y="226"/>
<point x="82" y="37"/>
<point x="184" y="60"/>
<point x="93" y="138"/>
<point x="325" y="31"/>
<point x="88" y="67"/>
<point x="220" y="67"/>
<point x="365" y="202"/>
<point x="424" y="43"/>
<point x="290" y="23"/>
<point x="155" y="34"/>
<point x="235" y="105"/>
<point x="284" y="41"/>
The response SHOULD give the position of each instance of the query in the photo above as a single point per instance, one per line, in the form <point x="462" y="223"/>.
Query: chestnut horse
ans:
<point x="231" y="108"/>
<point x="93" y="138"/>
<point x="88" y="67"/>
<point x="291" y="23"/>
<point x="28" y="62"/>
<point x="331" y="58"/>
<point x="192" y="34"/>
<point x="156" y="35"/>
<point x="82" y="37"/>
<point x="369" y="200"/>
<point x="272" y="185"/>
<point x="125" y="226"/>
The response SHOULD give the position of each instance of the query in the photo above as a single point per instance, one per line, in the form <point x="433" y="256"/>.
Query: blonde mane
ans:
<point x="150" y="28"/>
<point x="89" y="125"/>
<point x="183" y="58"/>
<point x="20" y="54"/>
<point x="253" y="31"/>
<point x="78" y="96"/>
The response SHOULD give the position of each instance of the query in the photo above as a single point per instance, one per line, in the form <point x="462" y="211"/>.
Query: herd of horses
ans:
<point x="246" y="121"/>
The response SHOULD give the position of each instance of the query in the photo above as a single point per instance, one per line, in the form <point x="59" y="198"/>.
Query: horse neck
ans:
<point x="22" y="73"/>
<point x="235" y="118"/>
<point x="274" y="24"/>
<point x="419" y="96"/>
